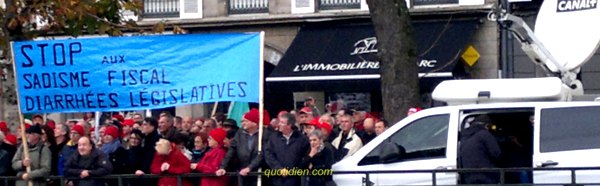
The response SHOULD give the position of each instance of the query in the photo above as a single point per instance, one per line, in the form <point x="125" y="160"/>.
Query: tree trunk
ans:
<point x="397" y="57"/>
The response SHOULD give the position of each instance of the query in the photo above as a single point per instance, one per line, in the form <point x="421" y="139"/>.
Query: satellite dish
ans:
<point x="570" y="30"/>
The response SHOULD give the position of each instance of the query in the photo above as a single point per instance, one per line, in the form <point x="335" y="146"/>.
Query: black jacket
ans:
<point x="478" y="149"/>
<point x="322" y="161"/>
<point x="148" y="144"/>
<point x="281" y="153"/>
<point x="119" y="160"/>
<point x="247" y="155"/>
<point x="96" y="163"/>
<point x="7" y="156"/>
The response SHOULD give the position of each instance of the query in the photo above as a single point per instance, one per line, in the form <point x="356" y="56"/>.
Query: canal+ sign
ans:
<point x="575" y="5"/>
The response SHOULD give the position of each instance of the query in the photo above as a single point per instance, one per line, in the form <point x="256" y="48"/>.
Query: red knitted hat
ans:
<point x="26" y="126"/>
<point x="119" y="117"/>
<point x="3" y="127"/>
<point x="78" y="129"/>
<point x="218" y="135"/>
<point x="253" y="116"/>
<point x="128" y="122"/>
<point x="51" y="124"/>
<point x="112" y="131"/>
<point x="12" y="139"/>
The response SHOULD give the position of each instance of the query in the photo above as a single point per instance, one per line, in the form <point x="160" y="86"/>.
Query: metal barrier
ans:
<point x="161" y="9"/>
<point x="338" y="4"/>
<point x="248" y="6"/>
<point x="124" y="178"/>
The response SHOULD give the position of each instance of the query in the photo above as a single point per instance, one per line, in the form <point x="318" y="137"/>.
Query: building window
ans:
<point x="248" y="6"/>
<point x="338" y="4"/>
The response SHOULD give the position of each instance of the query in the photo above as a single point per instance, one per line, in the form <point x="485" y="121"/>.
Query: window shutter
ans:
<point x="190" y="9"/>
<point x="303" y="6"/>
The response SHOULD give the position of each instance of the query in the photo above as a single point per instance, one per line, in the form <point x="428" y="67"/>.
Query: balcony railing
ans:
<point x="338" y="4"/>
<point x="161" y="9"/>
<point x="248" y="6"/>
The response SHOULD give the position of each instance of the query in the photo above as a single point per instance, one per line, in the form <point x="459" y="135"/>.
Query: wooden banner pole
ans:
<point x="21" y="119"/>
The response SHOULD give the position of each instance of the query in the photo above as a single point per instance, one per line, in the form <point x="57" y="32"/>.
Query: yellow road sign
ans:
<point x="470" y="56"/>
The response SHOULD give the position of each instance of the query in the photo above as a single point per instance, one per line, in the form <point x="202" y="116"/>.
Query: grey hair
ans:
<point x="316" y="133"/>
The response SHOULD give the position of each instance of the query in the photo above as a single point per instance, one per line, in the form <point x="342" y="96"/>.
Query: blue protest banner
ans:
<point x="137" y="72"/>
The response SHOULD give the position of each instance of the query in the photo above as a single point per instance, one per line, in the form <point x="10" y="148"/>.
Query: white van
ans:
<point x="563" y="134"/>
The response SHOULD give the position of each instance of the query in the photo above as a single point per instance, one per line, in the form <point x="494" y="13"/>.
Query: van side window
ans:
<point x="425" y="138"/>
<point x="570" y="128"/>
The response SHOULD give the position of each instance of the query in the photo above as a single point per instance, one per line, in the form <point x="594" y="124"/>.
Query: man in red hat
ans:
<point x="305" y="115"/>
<point x="244" y="147"/>
<point x="37" y="119"/>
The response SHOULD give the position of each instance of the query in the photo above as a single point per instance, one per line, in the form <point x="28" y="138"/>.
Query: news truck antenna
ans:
<point x="566" y="37"/>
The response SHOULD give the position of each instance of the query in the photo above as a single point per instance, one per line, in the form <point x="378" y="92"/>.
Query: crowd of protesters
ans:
<point x="173" y="145"/>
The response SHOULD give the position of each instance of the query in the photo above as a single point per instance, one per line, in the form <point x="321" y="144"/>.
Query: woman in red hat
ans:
<point x="211" y="161"/>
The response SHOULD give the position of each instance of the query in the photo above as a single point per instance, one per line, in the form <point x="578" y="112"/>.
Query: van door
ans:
<point x="425" y="145"/>
<point x="567" y="136"/>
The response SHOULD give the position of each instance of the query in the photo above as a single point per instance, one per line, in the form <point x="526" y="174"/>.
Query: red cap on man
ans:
<point x="306" y="110"/>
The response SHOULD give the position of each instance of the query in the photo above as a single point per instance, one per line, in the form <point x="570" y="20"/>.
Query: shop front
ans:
<point x="339" y="67"/>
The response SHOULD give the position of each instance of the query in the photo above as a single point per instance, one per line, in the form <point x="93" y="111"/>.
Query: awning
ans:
<point x="346" y="52"/>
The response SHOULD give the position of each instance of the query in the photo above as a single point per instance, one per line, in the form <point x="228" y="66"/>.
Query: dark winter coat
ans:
<point x="5" y="159"/>
<point x="210" y="164"/>
<point x="119" y="160"/>
<point x="281" y="153"/>
<point x="322" y="161"/>
<point x="178" y="164"/>
<point x="96" y="163"/>
<point x="148" y="144"/>
<point x="478" y="149"/>
<point x="247" y="155"/>
<point x="134" y="162"/>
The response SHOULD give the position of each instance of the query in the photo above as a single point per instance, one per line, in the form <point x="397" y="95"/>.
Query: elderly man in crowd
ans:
<point x="285" y="150"/>
<point x="87" y="162"/>
<point x="39" y="160"/>
<point x="347" y="142"/>
<point x="244" y="147"/>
